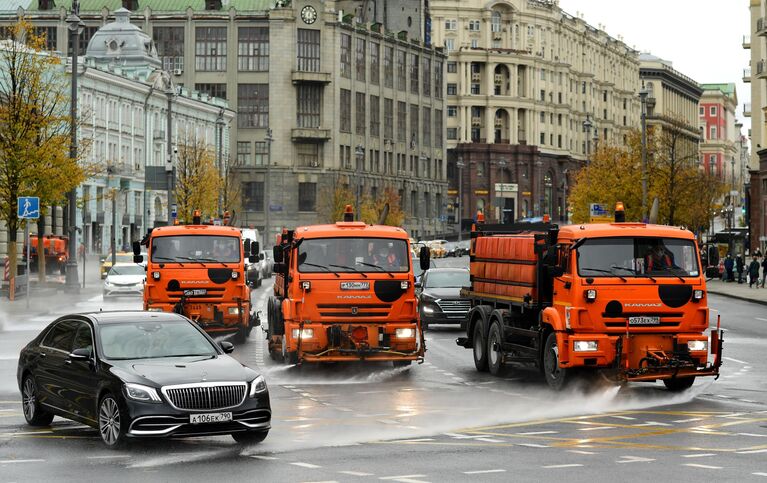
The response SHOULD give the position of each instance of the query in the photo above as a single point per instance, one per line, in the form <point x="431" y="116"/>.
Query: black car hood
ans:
<point x="442" y="293"/>
<point x="182" y="370"/>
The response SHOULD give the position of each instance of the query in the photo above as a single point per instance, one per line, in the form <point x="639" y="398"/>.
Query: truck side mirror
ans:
<point x="555" y="270"/>
<point x="246" y="246"/>
<point x="712" y="272"/>
<point x="277" y="253"/>
<point x="251" y="259"/>
<point x="254" y="248"/>
<point x="136" y="248"/>
<point x="424" y="258"/>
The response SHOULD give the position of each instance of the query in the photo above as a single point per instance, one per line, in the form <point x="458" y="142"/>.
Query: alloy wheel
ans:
<point x="29" y="399"/>
<point x="109" y="421"/>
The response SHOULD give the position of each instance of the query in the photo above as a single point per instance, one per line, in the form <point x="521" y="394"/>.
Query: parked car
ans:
<point x="140" y="375"/>
<point x="457" y="249"/>
<point x="437" y="248"/>
<point x="254" y="273"/>
<point x="439" y="298"/>
<point x="125" y="279"/>
<point x="267" y="264"/>
<point x="121" y="257"/>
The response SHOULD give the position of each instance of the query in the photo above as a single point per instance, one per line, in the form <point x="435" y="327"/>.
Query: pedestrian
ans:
<point x="764" y="270"/>
<point x="728" y="264"/>
<point x="753" y="272"/>
<point x="739" y="266"/>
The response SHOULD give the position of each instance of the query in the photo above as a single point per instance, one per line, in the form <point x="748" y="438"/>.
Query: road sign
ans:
<point x="173" y="211"/>
<point x="28" y="207"/>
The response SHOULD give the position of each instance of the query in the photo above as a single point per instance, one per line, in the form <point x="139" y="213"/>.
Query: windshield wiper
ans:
<point x="194" y="260"/>
<point x="668" y="269"/>
<point x="605" y="271"/>
<point x="349" y="268"/>
<point x="378" y="267"/>
<point x="320" y="266"/>
<point x="167" y="260"/>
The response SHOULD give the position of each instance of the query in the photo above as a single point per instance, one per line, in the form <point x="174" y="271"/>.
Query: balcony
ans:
<point x="159" y="135"/>
<point x="300" y="77"/>
<point x="760" y="27"/>
<point x="309" y="133"/>
<point x="761" y="69"/>
<point x="747" y="75"/>
<point x="747" y="109"/>
<point x="746" y="41"/>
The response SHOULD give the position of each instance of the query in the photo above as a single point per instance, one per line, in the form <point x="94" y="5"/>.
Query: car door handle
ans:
<point x="43" y="354"/>
<point x="67" y="361"/>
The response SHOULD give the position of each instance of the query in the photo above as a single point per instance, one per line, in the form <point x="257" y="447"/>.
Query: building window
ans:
<point x="375" y="60"/>
<point x="473" y="25"/>
<point x="346" y="56"/>
<point x="210" y="49"/>
<point x="701" y="110"/>
<point x="243" y="153"/>
<point x="85" y="38"/>
<point x="426" y="126"/>
<point x="388" y="119"/>
<point x="449" y="45"/>
<point x="401" y="70"/>
<point x="262" y="153"/>
<point x="307" y="196"/>
<point x="413" y="126"/>
<point x="495" y="21"/>
<point x="452" y="111"/>
<point x="388" y="66"/>
<point x="49" y="37"/>
<point x="475" y="88"/>
<point x="213" y="90"/>
<point x="452" y="67"/>
<point x="401" y="121"/>
<point x="360" y="112"/>
<point x="438" y="79"/>
<point x="426" y="76"/>
<point x="451" y="24"/>
<point x="308" y="156"/>
<point x="713" y="133"/>
<point x="543" y="95"/>
<point x="452" y="133"/>
<point x="253" y="49"/>
<point x="308" y="50"/>
<point x="712" y="110"/>
<point x="346" y="111"/>
<point x="452" y="89"/>
<point x="543" y="118"/>
<point x="438" y="128"/>
<point x="252" y="105"/>
<point x="309" y="102"/>
<point x="474" y="43"/>
<point x="375" y="116"/>
<point x="414" y="73"/>
<point x="360" y="60"/>
<point x="253" y="196"/>
<point x="543" y="139"/>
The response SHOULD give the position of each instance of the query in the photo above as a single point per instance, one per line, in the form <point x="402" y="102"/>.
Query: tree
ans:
<point x="334" y="199"/>
<point x="197" y="179"/>
<point x="34" y="128"/>
<point x="232" y="189"/>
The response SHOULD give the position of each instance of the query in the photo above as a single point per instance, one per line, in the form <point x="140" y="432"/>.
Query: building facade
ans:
<point x="530" y="90"/>
<point x="756" y="74"/>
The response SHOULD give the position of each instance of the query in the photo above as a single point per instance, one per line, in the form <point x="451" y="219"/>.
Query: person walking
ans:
<point x="753" y="272"/>
<point x="739" y="266"/>
<point x="764" y="270"/>
<point x="728" y="265"/>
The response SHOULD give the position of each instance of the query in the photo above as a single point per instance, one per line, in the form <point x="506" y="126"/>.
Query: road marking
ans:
<point x="325" y="481"/>
<point x="108" y="456"/>
<point x="561" y="466"/>
<point x="533" y="433"/>
<point x="691" y="420"/>
<point x="420" y="440"/>
<point x="759" y="474"/>
<point x="650" y="423"/>
<point x="753" y="451"/>
<point x="761" y="318"/>
<point x="490" y="440"/>
<point x="262" y="457"/>
<point x="635" y="459"/>
<point x="599" y="428"/>
<point x="734" y="360"/>
<point x="482" y="472"/>
<point x="705" y="467"/>
<point x="533" y="445"/>
<point x="400" y="477"/>
<point x="5" y="462"/>
<point x="753" y="434"/>
<point x="699" y="455"/>
<point x="628" y="418"/>
<point x="355" y="473"/>
<point x="577" y="451"/>
<point x="306" y="465"/>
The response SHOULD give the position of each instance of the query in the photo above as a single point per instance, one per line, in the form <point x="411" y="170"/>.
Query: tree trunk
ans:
<point x="13" y="225"/>
<point x="40" y="248"/>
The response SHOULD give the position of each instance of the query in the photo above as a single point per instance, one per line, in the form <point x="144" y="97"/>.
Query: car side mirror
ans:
<point x="277" y="254"/>
<point x="417" y="284"/>
<point x="424" y="258"/>
<point x="82" y="354"/>
<point x="227" y="347"/>
<point x="246" y="246"/>
<point x="712" y="272"/>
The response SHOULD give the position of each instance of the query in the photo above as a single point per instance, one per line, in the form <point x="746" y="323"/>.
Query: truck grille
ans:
<point x="454" y="307"/>
<point x="206" y="396"/>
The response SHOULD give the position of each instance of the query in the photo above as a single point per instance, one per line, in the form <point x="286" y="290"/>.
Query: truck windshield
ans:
<point x="353" y="255"/>
<point x="637" y="257"/>
<point x="193" y="248"/>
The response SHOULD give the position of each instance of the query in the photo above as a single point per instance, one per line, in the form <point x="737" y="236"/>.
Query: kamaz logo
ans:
<point x="643" y="305"/>
<point x="355" y="310"/>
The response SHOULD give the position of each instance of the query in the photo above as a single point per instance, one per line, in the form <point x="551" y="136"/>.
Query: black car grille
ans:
<point x="454" y="307"/>
<point x="206" y="397"/>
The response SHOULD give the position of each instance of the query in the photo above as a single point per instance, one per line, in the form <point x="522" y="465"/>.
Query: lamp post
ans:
<point x="460" y="165"/>
<point x="502" y="167"/>
<point x="422" y="159"/>
<point x="587" y="125"/>
<point x="75" y="26"/>
<point x="220" y="129"/>
<point x="643" y="93"/>
<point x="359" y="153"/>
<point x="169" y="164"/>
<point x="564" y="195"/>
<point x="267" y="198"/>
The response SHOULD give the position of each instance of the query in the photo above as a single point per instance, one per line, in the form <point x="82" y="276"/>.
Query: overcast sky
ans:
<point x="703" y="38"/>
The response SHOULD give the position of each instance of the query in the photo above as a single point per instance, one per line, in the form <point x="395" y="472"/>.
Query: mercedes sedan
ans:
<point x="140" y="374"/>
<point x="439" y="297"/>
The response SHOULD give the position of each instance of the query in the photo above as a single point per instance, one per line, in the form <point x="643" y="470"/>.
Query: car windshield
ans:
<point x="195" y="248"/>
<point x="123" y="258"/>
<point x="637" y="257"/>
<point x="353" y="255"/>
<point x="127" y="270"/>
<point x="451" y="279"/>
<point x="148" y="340"/>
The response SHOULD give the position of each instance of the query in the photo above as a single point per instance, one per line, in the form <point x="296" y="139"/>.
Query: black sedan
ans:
<point x="439" y="299"/>
<point x="141" y="374"/>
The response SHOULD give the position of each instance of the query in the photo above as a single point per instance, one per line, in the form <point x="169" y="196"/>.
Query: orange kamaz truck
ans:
<point x="344" y="292"/>
<point x="627" y="300"/>
<point x="199" y="271"/>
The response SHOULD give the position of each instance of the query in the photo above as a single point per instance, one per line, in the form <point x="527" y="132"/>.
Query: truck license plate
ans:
<point x="644" y="320"/>
<point x="355" y="285"/>
<point x="210" y="418"/>
<point x="195" y="291"/>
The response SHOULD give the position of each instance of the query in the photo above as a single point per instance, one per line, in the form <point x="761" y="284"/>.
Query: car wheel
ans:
<point x="679" y="384"/>
<point x="556" y="377"/>
<point x="480" y="356"/>
<point x="250" y="437"/>
<point x="111" y="423"/>
<point x="33" y="413"/>
<point x="494" y="352"/>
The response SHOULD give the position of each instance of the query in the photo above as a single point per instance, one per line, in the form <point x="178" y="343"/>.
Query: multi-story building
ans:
<point x="320" y="81"/>
<point x="530" y="89"/>
<point x="756" y="74"/>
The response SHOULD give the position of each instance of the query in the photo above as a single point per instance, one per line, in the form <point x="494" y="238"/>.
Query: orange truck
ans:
<point x="56" y="252"/>
<point x="199" y="271"/>
<point x="627" y="300"/>
<point x="345" y="292"/>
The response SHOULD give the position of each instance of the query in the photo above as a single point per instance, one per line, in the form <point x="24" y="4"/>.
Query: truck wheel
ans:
<point x="401" y="363"/>
<point x="241" y="336"/>
<point x="678" y="384"/>
<point x="494" y="351"/>
<point x="480" y="355"/>
<point x="556" y="377"/>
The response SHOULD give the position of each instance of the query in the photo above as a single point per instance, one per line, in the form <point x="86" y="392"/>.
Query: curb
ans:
<point x="739" y="297"/>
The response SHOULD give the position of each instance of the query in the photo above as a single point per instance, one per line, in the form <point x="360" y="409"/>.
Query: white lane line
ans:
<point x="262" y="457"/>
<point x="419" y="440"/>
<point x="699" y="455"/>
<point x="490" y="440"/>
<point x="753" y="434"/>
<point x="5" y="462"/>
<point x="355" y="473"/>
<point x="627" y="418"/>
<point x="577" y="451"/>
<point x="598" y="428"/>
<point x="734" y="360"/>
<point x="759" y="474"/>
<point x="761" y="318"/>
<point x="635" y="459"/>
<point x="561" y="466"/>
<point x="482" y="472"/>
<point x="753" y="451"/>
<point x="108" y="456"/>
<point x="650" y="423"/>
<point x="533" y="445"/>
<point x="533" y="433"/>
<point x="306" y="465"/>
<point x="400" y="477"/>
<point x="705" y="467"/>
<point x="691" y="420"/>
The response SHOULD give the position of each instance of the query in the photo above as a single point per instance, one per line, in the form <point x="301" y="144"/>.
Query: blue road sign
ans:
<point x="29" y="207"/>
<point x="173" y="212"/>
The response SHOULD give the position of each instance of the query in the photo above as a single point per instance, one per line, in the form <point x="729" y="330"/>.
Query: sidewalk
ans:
<point x="738" y="291"/>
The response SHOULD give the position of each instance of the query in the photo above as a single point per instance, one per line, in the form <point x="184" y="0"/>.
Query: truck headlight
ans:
<point x="697" y="294"/>
<point x="697" y="345"/>
<point x="404" y="285"/>
<point x="141" y="393"/>
<point x="234" y="311"/>
<point x="257" y="386"/>
<point x="590" y="294"/>
<point x="156" y="275"/>
<point x="404" y="333"/>
<point x="585" y="345"/>
<point x="305" y="333"/>
<point x="306" y="285"/>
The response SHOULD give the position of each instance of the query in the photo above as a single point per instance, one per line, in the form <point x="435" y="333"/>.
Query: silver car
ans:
<point x="125" y="279"/>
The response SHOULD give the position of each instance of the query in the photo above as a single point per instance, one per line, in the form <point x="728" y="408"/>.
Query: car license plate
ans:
<point x="195" y="291"/>
<point x="644" y="320"/>
<point x="210" y="418"/>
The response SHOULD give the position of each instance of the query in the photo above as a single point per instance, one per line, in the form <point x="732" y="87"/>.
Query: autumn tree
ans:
<point x="34" y="128"/>
<point x="197" y="179"/>
<point x="334" y="199"/>
<point x="231" y="188"/>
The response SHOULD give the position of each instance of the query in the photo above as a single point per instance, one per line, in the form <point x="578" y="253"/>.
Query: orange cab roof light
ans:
<point x="546" y="219"/>
<point x="620" y="212"/>
<point x="348" y="213"/>
<point x="196" y="217"/>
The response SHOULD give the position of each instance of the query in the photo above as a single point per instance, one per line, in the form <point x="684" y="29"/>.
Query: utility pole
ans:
<point x="220" y="126"/>
<point x="267" y="198"/>
<point x="460" y="165"/>
<point x="75" y="26"/>
<point x="643" y="93"/>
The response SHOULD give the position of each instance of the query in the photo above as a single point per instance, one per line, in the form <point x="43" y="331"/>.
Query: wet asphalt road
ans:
<point x="440" y="421"/>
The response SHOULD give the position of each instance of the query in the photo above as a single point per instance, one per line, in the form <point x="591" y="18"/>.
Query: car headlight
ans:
<point x="404" y="333"/>
<point x="427" y="309"/>
<point x="305" y="333"/>
<point x="697" y="345"/>
<point x="234" y="311"/>
<point x="257" y="386"/>
<point x="585" y="346"/>
<point x="141" y="393"/>
<point x="107" y="283"/>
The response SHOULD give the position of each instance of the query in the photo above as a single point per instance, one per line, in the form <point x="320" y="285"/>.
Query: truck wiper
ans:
<point x="321" y="266"/>
<point x="378" y="267"/>
<point x="167" y="260"/>
<point x="605" y="271"/>
<point x="668" y="269"/>
<point x="195" y="260"/>
<point x="350" y="268"/>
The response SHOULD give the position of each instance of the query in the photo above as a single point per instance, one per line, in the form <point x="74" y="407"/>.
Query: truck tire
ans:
<point x="494" y="351"/>
<point x="480" y="346"/>
<point x="556" y="377"/>
<point x="276" y="322"/>
<point x="679" y="384"/>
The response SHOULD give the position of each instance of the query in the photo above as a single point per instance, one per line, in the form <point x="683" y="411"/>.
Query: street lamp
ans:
<point x="359" y="152"/>
<point x="587" y="125"/>
<point x="564" y="195"/>
<point x="502" y="167"/>
<point x="169" y="92"/>
<point x="220" y="128"/>
<point x="460" y="165"/>
<point x="75" y="26"/>
<point x="422" y="159"/>
<point x="268" y="193"/>
<point x="643" y="93"/>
